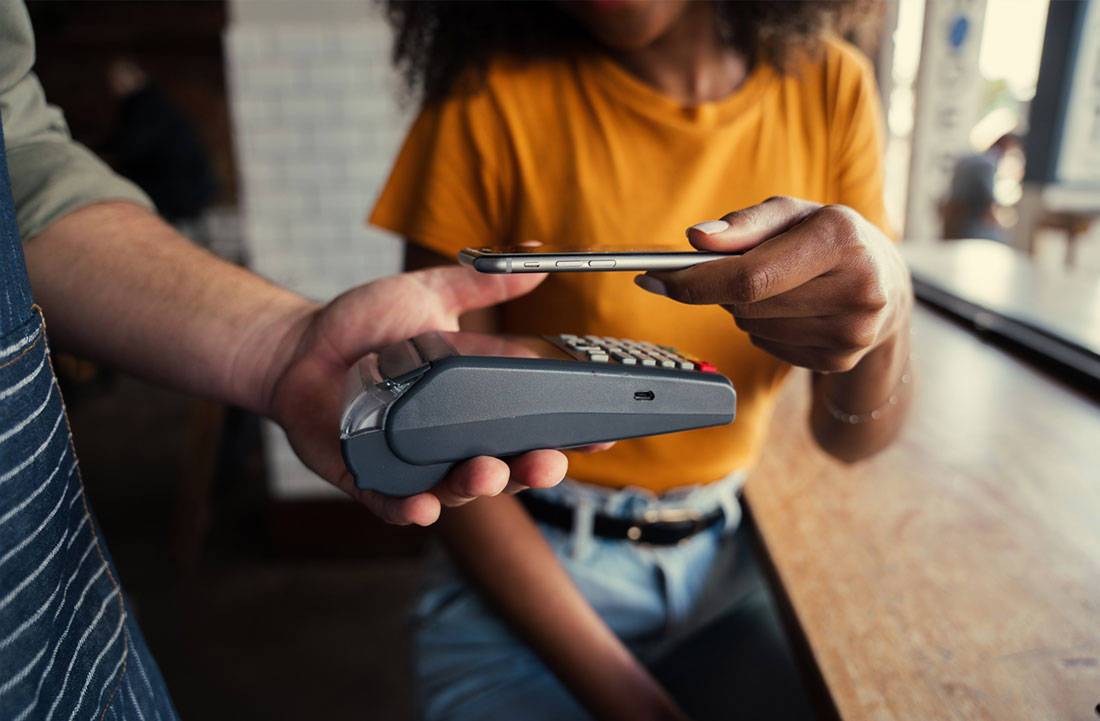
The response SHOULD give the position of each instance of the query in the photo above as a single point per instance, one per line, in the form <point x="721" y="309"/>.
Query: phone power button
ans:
<point x="601" y="263"/>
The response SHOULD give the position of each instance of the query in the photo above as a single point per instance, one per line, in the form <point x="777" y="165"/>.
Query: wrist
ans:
<point x="895" y="398"/>
<point x="265" y="350"/>
<point x="903" y="301"/>
<point x="874" y="385"/>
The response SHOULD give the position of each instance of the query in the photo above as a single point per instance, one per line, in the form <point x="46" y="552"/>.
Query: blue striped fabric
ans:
<point x="15" y="292"/>
<point x="69" y="648"/>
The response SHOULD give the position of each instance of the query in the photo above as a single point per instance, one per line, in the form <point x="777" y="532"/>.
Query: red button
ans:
<point x="707" y="368"/>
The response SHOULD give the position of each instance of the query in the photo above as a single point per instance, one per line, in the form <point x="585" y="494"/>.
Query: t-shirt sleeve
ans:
<point x="447" y="189"/>
<point x="51" y="174"/>
<point x="857" y="149"/>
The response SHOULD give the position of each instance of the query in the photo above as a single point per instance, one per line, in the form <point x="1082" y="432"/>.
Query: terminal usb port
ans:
<point x="643" y="395"/>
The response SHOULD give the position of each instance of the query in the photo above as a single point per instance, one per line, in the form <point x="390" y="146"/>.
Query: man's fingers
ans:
<point x="422" y="509"/>
<point x="538" y="469"/>
<point x="749" y="227"/>
<point x="488" y="476"/>
<point x="477" y="477"/>
<point x="482" y="476"/>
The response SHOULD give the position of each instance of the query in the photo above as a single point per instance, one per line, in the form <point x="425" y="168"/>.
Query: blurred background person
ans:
<point x="969" y="209"/>
<point x="155" y="145"/>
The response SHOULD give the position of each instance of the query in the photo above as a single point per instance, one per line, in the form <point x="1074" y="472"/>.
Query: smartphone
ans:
<point x="542" y="258"/>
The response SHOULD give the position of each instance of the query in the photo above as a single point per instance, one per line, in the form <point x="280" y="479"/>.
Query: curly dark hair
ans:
<point x="438" y="41"/>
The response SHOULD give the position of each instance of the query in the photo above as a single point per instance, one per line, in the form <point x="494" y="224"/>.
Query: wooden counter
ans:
<point x="956" y="575"/>
<point x="1054" y="312"/>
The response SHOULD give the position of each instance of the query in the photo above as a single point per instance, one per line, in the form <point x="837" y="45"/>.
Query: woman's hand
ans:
<point x="822" y="288"/>
<point x="817" y="286"/>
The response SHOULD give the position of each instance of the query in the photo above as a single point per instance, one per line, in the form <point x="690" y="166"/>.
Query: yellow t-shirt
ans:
<point x="579" y="152"/>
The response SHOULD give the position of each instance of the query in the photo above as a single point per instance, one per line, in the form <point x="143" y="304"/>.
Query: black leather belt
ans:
<point x="656" y="527"/>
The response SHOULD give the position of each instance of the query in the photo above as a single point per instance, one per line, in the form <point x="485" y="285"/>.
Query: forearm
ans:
<point x="503" y="555"/>
<point x="120" y="286"/>
<point x="876" y="394"/>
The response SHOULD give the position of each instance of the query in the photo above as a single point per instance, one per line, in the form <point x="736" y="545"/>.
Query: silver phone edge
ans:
<point x="638" y="263"/>
<point x="486" y="264"/>
<point x="629" y="262"/>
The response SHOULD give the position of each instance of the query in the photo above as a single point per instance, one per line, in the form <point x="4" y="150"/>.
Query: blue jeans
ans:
<point x="69" y="646"/>
<point x="661" y="601"/>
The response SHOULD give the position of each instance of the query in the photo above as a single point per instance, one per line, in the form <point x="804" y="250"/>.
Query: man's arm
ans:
<point x="116" y="283"/>
<point x="119" y="285"/>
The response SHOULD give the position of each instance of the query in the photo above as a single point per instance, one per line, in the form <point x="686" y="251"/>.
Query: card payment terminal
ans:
<point x="417" y="408"/>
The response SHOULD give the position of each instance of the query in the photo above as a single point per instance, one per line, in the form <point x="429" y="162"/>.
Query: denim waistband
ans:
<point x="633" y="501"/>
<point x="588" y="500"/>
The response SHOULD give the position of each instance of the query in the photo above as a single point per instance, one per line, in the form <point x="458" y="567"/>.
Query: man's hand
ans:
<point x="122" y="287"/>
<point x="301" y="390"/>
<point x="818" y="286"/>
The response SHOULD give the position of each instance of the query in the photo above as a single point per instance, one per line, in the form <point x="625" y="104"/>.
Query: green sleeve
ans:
<point x="51" y="174"/>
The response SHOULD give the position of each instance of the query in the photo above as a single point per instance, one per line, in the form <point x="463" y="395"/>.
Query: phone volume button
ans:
<point x="609" y="263"/>
<point x="570" y="264"/>
<point x="530" y="264"/>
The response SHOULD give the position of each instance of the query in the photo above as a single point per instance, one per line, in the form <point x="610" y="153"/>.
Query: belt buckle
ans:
<point x="674" y="515"/>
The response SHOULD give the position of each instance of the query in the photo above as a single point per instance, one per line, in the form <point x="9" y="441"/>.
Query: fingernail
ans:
<point x="648" y="282"/>
<point x="710" y="227"/>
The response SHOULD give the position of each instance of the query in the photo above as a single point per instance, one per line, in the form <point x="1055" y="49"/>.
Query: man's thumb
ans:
<point x="465" y="289"/>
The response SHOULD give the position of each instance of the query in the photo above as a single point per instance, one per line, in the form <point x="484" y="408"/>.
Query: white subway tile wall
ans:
<point x="317" y="124"/>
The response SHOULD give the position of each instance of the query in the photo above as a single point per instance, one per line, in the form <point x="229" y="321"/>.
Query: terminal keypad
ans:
<point x="605" y="349"/>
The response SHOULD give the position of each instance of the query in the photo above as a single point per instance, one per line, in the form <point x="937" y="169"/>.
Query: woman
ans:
<point x="621" y="124"/>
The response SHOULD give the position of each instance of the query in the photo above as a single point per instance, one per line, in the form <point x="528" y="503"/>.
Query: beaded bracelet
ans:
<point x="856" y="418"/>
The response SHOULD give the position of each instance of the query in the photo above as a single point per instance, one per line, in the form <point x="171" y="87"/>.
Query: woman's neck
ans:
<point x="689" y="62"/>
